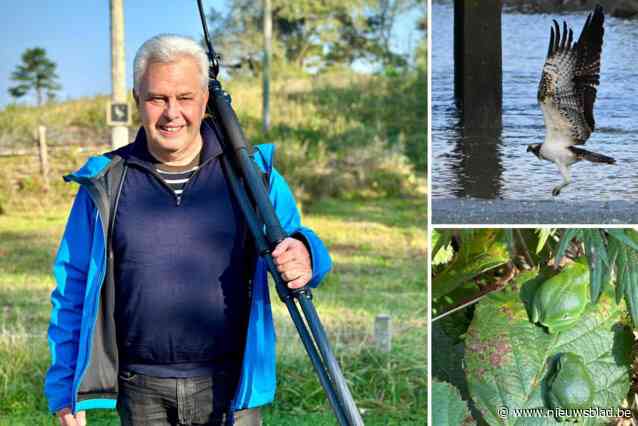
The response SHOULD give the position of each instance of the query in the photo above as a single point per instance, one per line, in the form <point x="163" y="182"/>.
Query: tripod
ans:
<point x="246" y="184"/>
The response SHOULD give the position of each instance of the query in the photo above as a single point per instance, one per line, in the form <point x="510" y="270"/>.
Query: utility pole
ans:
<point x="266" y="65"/>
<point x="118" y="112"/>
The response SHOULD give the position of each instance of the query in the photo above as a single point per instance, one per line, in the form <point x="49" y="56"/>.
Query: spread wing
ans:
<point x="571" y="75"/>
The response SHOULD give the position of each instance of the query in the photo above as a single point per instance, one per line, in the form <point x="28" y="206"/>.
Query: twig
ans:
<point x="497" y="286"/>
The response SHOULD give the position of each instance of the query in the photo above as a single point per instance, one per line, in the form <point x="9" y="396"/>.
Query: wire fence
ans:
<point x="15" y="143"/>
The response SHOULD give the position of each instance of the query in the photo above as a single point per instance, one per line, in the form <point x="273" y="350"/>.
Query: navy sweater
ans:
<point x="180" y="269"/>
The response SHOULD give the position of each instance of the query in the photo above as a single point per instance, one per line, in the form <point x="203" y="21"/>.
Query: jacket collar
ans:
<point x="211" y="146"/>
<point x="138" y="152"/>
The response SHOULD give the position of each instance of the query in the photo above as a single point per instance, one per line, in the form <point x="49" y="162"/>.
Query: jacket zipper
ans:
<point x="100" y="283"/>
<point x="91" y="325"/>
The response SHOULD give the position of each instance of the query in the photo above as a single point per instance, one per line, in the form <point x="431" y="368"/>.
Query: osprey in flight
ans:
<point x="567" y="93"/>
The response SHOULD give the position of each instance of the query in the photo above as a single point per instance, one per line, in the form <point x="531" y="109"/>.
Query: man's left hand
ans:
<point x="293" y="262"/>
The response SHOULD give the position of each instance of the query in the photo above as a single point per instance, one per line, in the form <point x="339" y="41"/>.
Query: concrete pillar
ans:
<point x="383" y="333"/>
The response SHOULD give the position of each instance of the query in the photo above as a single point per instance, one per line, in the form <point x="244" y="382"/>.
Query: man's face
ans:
<point x="172" y="104"/>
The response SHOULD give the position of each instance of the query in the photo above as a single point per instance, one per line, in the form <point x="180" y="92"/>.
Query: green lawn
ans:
<point x="378" y="248"/>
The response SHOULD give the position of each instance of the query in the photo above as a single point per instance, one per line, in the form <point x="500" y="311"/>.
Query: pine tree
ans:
<point x="36" y="72"/>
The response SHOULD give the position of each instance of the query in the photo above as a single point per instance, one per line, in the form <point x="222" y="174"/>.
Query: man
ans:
<point x="161" y="306"/>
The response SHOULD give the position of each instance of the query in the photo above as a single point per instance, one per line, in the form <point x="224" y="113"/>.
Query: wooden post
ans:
<point x="478" y="62"/>
<point x="266" y="64"/>
<point x="44" y="156"/>
<point x="383" y="333"/>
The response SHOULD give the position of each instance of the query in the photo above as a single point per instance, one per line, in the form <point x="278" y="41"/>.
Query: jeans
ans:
<point x="156" y="401"/>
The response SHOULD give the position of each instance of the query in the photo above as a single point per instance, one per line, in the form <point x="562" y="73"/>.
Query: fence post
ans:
<point x="383" y="333"/>
<point x="44" y="157"/>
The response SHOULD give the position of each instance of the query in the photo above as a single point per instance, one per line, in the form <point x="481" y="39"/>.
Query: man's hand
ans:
<point x="68" y="419"/>
<point x="293" y="262"/>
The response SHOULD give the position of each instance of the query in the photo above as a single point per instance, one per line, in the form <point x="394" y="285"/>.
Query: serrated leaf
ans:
<point x="448" y="409"/>
<point x="507" y="357"/>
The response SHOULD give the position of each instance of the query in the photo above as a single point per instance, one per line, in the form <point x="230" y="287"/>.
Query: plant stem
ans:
<point x="528" y="257"/>
<point x="497" y="286"/>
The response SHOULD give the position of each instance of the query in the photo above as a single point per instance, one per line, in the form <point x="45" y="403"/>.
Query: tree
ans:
<point x="310" y="33"/>
<point x="36" y="72"/>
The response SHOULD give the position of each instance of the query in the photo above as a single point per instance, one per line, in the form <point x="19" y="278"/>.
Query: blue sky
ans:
<point x="76" y="35"/>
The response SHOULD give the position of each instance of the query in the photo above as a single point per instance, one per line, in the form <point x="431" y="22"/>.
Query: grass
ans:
<point x="378" y="247"/>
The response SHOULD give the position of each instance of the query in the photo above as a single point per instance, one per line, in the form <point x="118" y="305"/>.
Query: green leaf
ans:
<point x="618" y="257"/>
<point x="447" y="359"/>
<point x="596" y="253"/>
<point x="567" y="238"/>
<point x="623" y="243"/>
<point x="508" y="357"/>
<point x="456" y="274"/>
<point x="631" y="287"/>
<point x="448" y="409"/>
<point x="442" y="252"/>
<point x="543" y="236"/>
<point x="619" y="235"/>
<point x="508" y="239"/>
<point x="480" y="251"/>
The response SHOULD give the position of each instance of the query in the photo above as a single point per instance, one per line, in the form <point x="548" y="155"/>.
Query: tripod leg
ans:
<point x="316" y="362"/>
<point x="262" y="246"/>
<point x="329" y="359"/>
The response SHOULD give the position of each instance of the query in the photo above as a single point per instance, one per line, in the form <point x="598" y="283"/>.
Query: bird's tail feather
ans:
<point x="583" y="154"/>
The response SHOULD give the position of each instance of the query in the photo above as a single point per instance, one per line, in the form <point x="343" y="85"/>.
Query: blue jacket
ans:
<point x="84" y="360"/>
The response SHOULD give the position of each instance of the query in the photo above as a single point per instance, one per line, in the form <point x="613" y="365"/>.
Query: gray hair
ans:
<point x="165" y="48"/>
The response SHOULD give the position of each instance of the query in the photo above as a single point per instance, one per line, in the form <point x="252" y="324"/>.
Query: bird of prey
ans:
<point x="566" y="94"/>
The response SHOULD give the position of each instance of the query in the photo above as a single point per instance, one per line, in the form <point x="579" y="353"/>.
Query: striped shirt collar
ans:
<point x="211" y="146"/>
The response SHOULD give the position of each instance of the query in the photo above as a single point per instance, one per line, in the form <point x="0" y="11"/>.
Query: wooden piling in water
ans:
<point x="477" y="62"/>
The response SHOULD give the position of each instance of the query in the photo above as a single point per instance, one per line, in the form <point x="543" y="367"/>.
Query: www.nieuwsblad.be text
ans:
<point x="505" y="412"/>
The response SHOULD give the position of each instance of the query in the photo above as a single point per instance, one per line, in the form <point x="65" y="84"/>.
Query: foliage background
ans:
<point x="483" y="286"/>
